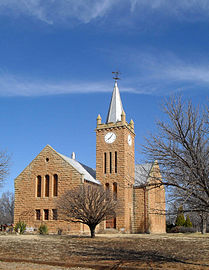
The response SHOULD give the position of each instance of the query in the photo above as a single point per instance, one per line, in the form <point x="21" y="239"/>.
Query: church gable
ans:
<point x="50" y="159"/>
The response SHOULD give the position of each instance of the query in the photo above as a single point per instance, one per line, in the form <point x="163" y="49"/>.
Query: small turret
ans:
<point x="131" y="124"/>
<point x="99" y="120"/>
<point x="123" y="117"/>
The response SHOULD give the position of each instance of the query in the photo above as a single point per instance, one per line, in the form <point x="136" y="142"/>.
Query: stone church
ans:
<point x="50" y="174"/>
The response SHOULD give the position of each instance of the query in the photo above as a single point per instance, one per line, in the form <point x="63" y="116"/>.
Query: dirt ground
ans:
<point x="53" y="252"/>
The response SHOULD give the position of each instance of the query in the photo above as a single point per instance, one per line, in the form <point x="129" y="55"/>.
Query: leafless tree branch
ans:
<point x="181" y="148"/>
<point x="4" y="166"/>
<point x="87" y="204"/>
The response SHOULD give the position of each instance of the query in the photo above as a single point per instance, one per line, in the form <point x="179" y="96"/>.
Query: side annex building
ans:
<point x="50" y="174"/>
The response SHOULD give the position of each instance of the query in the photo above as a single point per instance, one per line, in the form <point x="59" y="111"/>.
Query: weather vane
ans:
<point x="116" y="75"/>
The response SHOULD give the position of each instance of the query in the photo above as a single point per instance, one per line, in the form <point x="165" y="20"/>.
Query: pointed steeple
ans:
<point x="116" y="107"/>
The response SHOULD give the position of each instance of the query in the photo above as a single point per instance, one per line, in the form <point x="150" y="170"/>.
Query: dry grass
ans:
<point x="177" y="251"/>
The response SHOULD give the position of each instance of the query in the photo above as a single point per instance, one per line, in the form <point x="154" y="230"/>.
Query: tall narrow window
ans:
<point x="110" y="162"/>
<point x="105" y="163"/>
<point x="116" y="162"/>
<point x="38" y="189"/>
<point x="47" y="186"/>
<point x="46" y="214"/>
<point x="115" y="191"/>
<point x="55" y="188"/>
<point x="107" y="187"/>
<point x="54" y="214"/>
<point x="38" y="214"/>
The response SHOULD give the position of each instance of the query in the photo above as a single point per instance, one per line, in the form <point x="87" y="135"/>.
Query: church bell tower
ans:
<point x="115" y="159"/>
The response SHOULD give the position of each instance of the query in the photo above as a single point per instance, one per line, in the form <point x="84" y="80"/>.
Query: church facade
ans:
<point x="50" y="174"/>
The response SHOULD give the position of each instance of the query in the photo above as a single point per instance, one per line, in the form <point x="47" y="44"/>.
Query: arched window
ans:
<point x="46" y="214"/>
<point x="107" y="186"/>
<point x="107" y="189"/>
<point x="38" y="186"/>
<point x="47" y="185"/>
<point x="54" y="214"/>
<point x="115" y="190"/>
<point x="55" y="187"/>
<point x="38" y="214"/>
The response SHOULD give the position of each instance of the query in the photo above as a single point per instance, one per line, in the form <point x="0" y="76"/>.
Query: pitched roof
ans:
<point x="116" y="107"/>
<point x="89" y="173"/>
<point x="142" y="172"/>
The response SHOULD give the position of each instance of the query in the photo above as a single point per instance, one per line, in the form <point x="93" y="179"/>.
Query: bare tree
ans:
<point x="181" y="147"/>
<point x="87" y="204"/>
<point x="4" y="165"/>
<point x="7" y="208"/>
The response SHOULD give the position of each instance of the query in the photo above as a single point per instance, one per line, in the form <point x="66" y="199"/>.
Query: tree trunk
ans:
<point x="203" y="223"/>
<point x="92" y="229"/>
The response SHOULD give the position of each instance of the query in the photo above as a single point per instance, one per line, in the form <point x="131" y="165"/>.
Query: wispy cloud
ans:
<point x="11" y="85"/>
<point x="56" y="11"/>
<point x="165" y="73"/>
<point x="148" y="74"/>
<point x="183" y="9"/>
<point x="51" y="11"/>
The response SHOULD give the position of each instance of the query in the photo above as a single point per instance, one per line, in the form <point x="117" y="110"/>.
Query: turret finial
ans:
<point x="123" y="117"/>
<point x="99" y="120"/>
<point x="131" y="124"/>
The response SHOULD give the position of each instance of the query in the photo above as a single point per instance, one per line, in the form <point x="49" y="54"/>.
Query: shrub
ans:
<point x="169" y="227"/>
<point x="20" y="227"/>
<point x="182" y="229"/>
<point x="187" y="230"/>
<point x="43" y="229"/>
<point x="188" y="223"/>
<point x="180" y="220"/>
<point x="175" y="229"/>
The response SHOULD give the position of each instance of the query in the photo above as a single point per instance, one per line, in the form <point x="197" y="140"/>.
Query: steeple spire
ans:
<point x="116" y="107"/>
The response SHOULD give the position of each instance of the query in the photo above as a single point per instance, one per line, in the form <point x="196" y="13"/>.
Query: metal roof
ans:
<point x="116" y="107"/>
<point x="142" y="172"/>
<point x="89" y="173"/>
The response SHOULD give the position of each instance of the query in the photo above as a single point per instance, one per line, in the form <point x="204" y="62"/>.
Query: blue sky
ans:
<point x="56" y="59"/>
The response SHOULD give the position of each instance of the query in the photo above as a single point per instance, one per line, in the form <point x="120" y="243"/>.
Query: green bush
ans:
<point x="188" y="222"/>
<point x="180" y="220"/>
<point x="20" y="227"/>
<point x="43" y="229"/>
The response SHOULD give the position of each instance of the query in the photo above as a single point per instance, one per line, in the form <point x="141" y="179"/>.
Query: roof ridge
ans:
<point x="77" y="166"/>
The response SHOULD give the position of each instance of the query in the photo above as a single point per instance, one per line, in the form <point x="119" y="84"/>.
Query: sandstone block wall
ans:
<point x="149" y="205"/>
<point x="26" y="200"/>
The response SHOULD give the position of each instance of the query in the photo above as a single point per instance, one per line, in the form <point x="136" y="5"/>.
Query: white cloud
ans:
<point x="149" y="74"/>
<point x="11" y="85"/>
<point x="57" y="11"/>
<point x="172" y="7"/>
<point x="165" y="73"/>
<point x="51" y="11"/>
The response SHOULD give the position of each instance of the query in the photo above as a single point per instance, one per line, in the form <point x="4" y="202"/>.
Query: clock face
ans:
<point x="129" y="140"/>
<point x="110" y="137"/>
